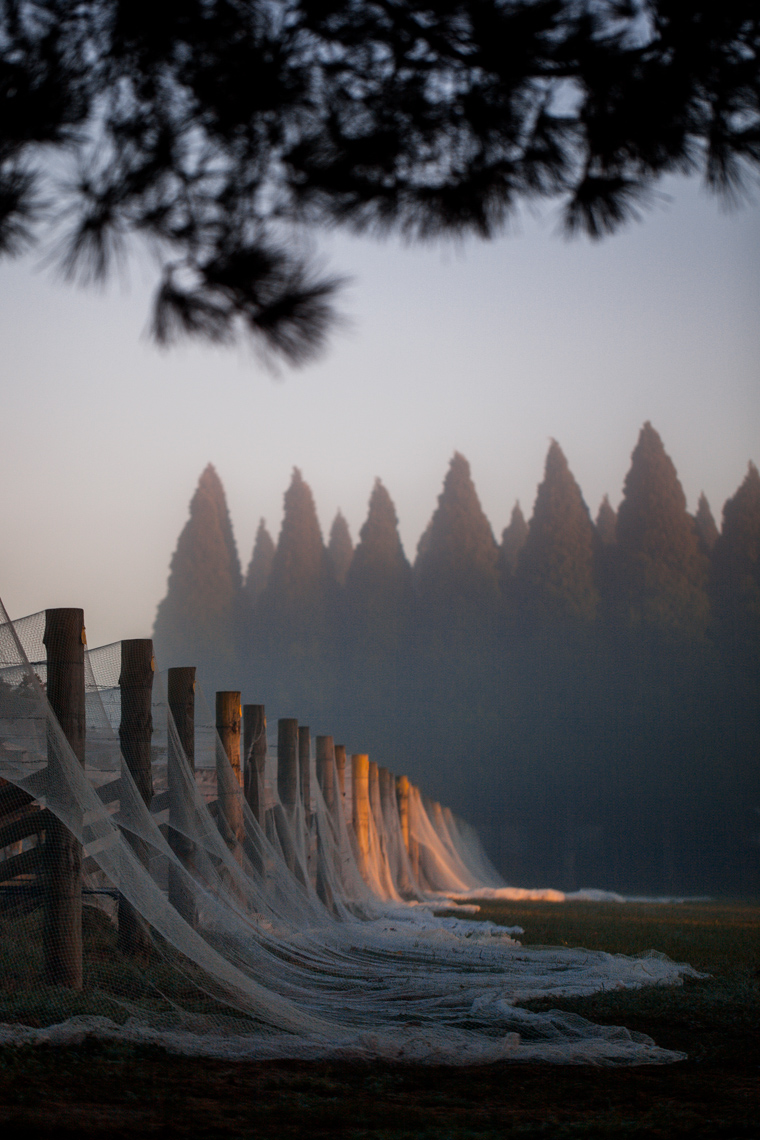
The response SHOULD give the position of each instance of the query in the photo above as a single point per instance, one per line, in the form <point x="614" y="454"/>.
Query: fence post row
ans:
<point x="135" y="732"/>
<point x="64" y="641"/>
<point x="181" y="697"/>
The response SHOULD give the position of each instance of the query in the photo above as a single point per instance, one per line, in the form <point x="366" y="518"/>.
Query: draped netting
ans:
<point x="285" y="935"/>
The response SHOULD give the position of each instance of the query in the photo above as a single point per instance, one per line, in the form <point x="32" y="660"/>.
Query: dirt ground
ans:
<point x="99" y="1090"/>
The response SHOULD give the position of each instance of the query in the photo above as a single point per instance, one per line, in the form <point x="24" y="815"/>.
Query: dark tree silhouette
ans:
<point x="606" y="523"/>
<point x="379" y="578"/>
<point x="555" y="571"/>
<point x="209" y="127"/>
<point x="340" y="548"/>
<point x="196" y="620"/>
<point x="707" y="531"/>
<point x="456" y="568"/>
<point x="512" y="541"/>
<point x="662" y="572"/>
<point x="295" y="596"/>
<point x="260" y="566"/>
<point x="736" y="570"/>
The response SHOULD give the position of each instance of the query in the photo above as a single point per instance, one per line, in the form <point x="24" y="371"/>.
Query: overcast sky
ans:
<point x="489" y="349"/>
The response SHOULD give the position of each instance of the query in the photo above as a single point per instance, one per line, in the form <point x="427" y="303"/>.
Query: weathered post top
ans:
<point x="287" y="761"/>
<point x="326" y="769"/>
<point x="181" y="698"/>
<point x="228" y="716"/>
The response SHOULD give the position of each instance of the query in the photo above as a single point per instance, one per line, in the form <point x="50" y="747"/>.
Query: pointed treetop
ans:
<point x="512" y="541"/>
<point x="260" y="566"/>
<point x="606" y="523"/>
<point x="194" y="619"/>
<point x="459" y="562"/>
<point x="340" y="548"/>
<point x="705" y="524"/>
<point x="736" y="569"/>
<point x="299" y="567"/>
<point x="556" y="568"/>
<point x="379" y="563"/>
<point x="663" y="571"/>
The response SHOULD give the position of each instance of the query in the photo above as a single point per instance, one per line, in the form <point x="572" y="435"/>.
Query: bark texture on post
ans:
<point x="181" y="695"/>
<point x="340" y="769"/>
<point x="255" y="751"/>
<point x="304" y="773"/>
<point x="287" y="762"/>
<point x="326" y="780"/>
<point x="135" y="733"/>
<point x="402" y="798"/>
<point x="326" y="770"/>
<point x="360" y="806"/>
<point x="64" y="641"/>
<point x="229" y="789"/>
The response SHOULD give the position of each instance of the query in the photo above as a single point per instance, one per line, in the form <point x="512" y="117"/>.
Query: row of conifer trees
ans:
<point x="580" y="689"/>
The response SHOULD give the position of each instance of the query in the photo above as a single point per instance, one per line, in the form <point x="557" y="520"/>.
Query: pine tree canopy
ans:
<point x="204" y="579"/>
<point x="556" y="566"/>
<point x="298" y="579"/>
<point x="260" y="566"/>
<point x="707" y="531"/>
<point x="663" y="572"/>
<point x="736" y="566"/>
<point x="340" y="548"/>
<point x="512" y="541"/>
<point x="207" y="128"/>
<point x="606" y="523"/>
<point x="457" y="565"/>
<point x="379" y="573"/>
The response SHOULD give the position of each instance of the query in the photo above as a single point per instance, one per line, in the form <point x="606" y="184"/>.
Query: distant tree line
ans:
<point x="586" y="692"/>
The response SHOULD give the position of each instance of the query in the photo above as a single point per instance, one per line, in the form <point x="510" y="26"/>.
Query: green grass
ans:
<point x="108" y="1090"/>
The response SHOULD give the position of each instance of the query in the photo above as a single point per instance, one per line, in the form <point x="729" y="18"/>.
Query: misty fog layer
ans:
<point x="584" y="692"/>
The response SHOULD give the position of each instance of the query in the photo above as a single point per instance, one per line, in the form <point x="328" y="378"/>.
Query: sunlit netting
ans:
<point x="300" y="927"/>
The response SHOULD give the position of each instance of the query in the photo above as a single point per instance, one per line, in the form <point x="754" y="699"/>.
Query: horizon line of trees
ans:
<point x="650" y="568"/>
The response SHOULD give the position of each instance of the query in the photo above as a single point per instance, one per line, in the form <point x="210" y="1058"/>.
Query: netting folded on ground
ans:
<point x="289" y="931"/>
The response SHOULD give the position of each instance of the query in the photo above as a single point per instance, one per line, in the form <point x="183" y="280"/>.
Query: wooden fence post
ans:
<point x="340" y="768"/>
<point x="135" y="731"/>
<point x="255" y="752"/>
<point x="326" y="770"/>
<point x="304" y="773"/>
<point x="326" y="780"/>
<point x="287" y="789"/>
<point x="360" y="806"/>
<point x="230" y="799"/>
<point x="181" y="696"/>
<point x="64" y="640"/>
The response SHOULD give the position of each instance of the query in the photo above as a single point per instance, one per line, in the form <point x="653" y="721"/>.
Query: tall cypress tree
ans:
<point x="736" y="570"/>
<point x="340" y="548"/>
<point x="295" y="596"/>
<point x="260" y="566"/>
<point x="555" y="573"/>
<point x="662" y="572"/>
<point x="707" y="531"/>
<point x="379" y="578"/>
<point x="196" y="620"/>
<point x="512" y="541"/>
<point x="606" y="523"/>
<point x="456" y="567"/>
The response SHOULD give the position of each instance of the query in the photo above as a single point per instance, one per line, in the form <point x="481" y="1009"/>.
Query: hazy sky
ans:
<point x="489" y="349"/>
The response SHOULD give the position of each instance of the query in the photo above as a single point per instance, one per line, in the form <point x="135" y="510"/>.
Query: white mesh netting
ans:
<point x="306" y="932"/>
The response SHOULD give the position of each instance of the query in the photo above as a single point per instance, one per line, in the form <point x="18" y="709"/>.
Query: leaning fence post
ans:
<point x="181" y="696"/>
<point x="64" y="640"/>
<point x="255" y="752"/>
<point x="135" y="731"/>
<point x="230" y="798"/>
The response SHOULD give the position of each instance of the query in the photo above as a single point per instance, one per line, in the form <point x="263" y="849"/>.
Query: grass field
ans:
<point x="100" y="1090"/>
